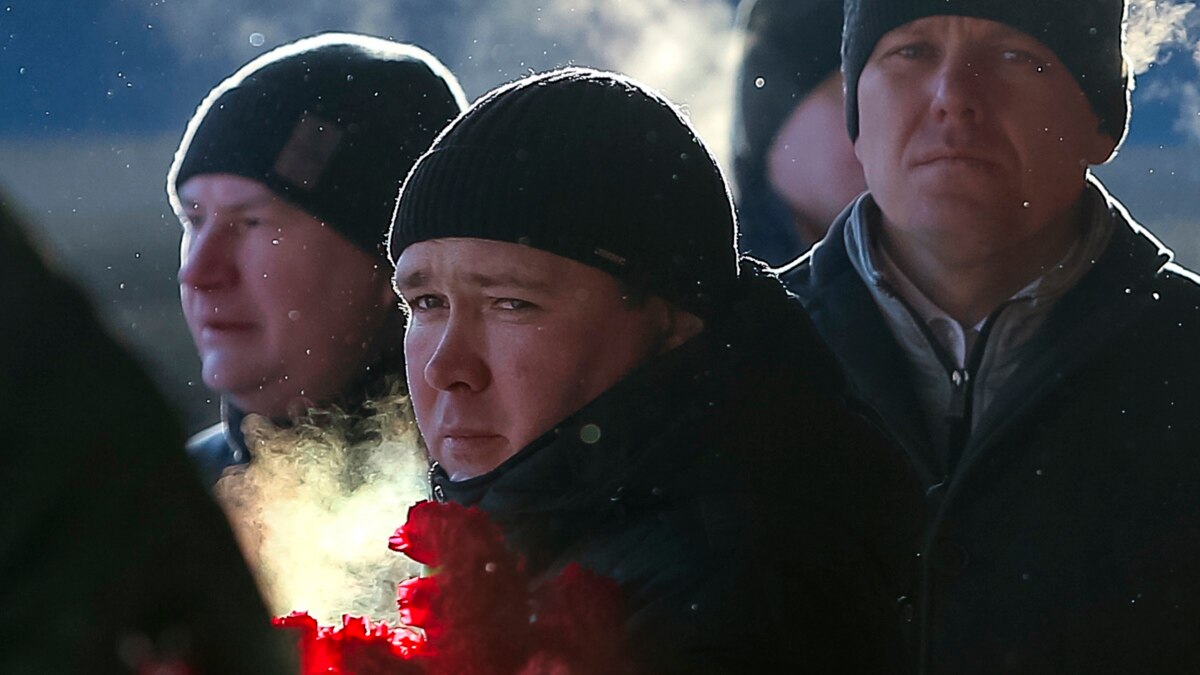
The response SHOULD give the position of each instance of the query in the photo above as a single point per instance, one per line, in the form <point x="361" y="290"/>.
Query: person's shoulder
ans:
<point x="1181" y="279"/>
<point x="797" y="273"/>
<point x="820" y="269"/>
<point x="1142" y="264"/>
<point x="1175" y="304"/>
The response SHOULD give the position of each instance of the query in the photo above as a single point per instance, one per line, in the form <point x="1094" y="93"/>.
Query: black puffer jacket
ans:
<point x="749" y="517"/>
<point x="1068" y="538"/>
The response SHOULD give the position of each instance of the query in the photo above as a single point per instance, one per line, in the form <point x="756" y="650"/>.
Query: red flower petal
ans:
<point x="417" y="538"/>
<point x="415" y="599"/>
<point x="299" y="620"/>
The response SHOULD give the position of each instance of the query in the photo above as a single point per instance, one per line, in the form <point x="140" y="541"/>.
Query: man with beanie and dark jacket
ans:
<point x="285" y="182"/>
<point x="794" y="166"/>
<point x="1025" y="340"/>
<point x="589" y="365"/>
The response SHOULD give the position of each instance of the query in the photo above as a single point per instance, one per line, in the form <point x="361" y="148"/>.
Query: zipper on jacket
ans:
<point x="435" y="490"/>
<point x="962" y="400"/>
<point x="960" y="414"/>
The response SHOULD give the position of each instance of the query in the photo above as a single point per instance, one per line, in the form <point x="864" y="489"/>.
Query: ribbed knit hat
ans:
<point x="1086" y="35"/>
<point x="788" y="48"/>
<point x="590" y="166"/>
<point x="331" y="123"/>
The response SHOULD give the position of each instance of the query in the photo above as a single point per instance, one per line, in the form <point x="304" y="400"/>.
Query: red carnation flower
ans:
<point x="415" y="599"/>
<point x="435" y="529"/>
<point x="413" y="538"/>
<point x="476" y="613"/>
<point x="580" y="621"/>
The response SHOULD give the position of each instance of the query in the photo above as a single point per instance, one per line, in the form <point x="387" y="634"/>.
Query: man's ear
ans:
<point x="682" y="326"/>
<point x="1101" y="147"/>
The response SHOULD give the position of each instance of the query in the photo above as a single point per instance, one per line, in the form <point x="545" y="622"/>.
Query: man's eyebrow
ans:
<point x="412" y="280"/>
<point x="253" y="202"/>
<point x="510" y="280"/>
<point x="419" y="278"/>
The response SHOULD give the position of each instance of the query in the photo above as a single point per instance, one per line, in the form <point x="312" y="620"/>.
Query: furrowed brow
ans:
<point x="508" y="281"/>
<point x="252" y="203"/>
<point x="412" y="280"/>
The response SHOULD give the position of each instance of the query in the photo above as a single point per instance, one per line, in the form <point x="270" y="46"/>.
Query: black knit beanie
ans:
<point x="587" y="165"/>
<point x="331" y="123"/>
<point x="789" y="47"/>
<point x="1084" y="34"/>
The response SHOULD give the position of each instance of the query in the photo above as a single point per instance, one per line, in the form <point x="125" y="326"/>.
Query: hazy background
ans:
<point x="94" y="95"/>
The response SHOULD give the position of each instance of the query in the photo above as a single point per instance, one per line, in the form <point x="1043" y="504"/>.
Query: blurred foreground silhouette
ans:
<point x="114" y="557"/>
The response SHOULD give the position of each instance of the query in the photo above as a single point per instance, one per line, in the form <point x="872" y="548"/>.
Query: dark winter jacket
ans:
<point x="1067" y="540"/>
<point x="113" y="556"/>
<point x="220" y="446"/>
<point x="751" y="520"/>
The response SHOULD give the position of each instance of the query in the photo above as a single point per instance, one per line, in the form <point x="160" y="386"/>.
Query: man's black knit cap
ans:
<point x="587" y="165"/>
<point x="331" y="123"/>
<point x="789" y="47"/>
<point x="1084" y="34"/>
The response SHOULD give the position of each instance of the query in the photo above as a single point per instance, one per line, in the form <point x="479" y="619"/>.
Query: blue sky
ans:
<point x="89" y="67"/>
<point x="126" y="67"/>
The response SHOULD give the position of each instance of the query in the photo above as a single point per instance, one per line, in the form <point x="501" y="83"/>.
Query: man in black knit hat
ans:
<point x="1023" y="338"/>
<point x="590" y="366"/>
<point x="285" y="182"/>
<point x="794" y="166"/>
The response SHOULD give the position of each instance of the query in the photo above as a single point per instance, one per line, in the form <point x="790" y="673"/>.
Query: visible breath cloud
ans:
<point x="1159" y="30"/>
<point x="1155" y="27"/>
<point x="315" y="508"/>
<point x="683" y="48"/>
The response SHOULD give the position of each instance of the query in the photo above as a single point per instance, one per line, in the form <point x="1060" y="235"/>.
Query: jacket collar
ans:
<point x="604" y="450"/>
<point x="232" y="418"/>
<point x="1110" y="298"/>
<point x="1105" y="301"/>
<point x="848" y="319"/>
<point x="379" y="379"/>
<point x="762" y="332"/>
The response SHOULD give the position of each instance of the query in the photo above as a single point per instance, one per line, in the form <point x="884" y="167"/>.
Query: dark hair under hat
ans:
<point x="590" y="166"/>
<point x="1084" y="34"/>
<point x="331" y="123"/>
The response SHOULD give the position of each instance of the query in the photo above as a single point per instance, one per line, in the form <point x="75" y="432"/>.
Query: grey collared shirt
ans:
<point x="931" y="338"/>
